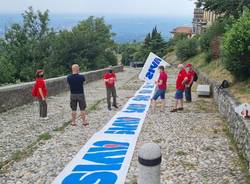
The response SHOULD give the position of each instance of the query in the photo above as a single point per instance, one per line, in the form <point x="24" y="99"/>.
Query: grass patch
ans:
<point x="62" y="128"/>
<point x="241" y="161"/>
<point x="94" y="106"/>
<point x="203" y="105"/>
<point x="181" y="153"/>
<point x="45" y="136"/>
<point x="188" y="165"/>
<point x="216" y="71"/>
<point x="21" y="154"/>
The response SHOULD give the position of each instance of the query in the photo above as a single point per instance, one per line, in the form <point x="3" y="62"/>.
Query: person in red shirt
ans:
<point x="110" y="80"/>
<point x="180" y="88"/>
<point x="41" y="93"/>
<point x="189" y="83"/>
<point x="161" y="88"/>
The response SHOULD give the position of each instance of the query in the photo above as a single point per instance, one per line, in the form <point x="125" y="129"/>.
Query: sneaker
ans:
<point x="85" y="123"/>
<point x="180" y="109"/>
<point x="44" y="118"/>
<point x="115" y="106"/>
<point x="109" y="108"/>
<point x="174" y="110"/>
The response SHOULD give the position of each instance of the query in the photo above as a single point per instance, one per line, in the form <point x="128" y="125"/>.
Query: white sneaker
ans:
<point x="44" y="118"/>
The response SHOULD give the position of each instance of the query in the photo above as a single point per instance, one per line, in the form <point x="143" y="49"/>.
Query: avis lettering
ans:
<point x="105" y="158"/>
<point x="153" y="68"/>
<point x="124" y="125"/>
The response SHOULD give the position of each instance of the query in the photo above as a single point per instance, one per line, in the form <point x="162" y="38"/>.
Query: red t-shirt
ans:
<point x="164" y="77"/>
<point x="111" y="77"/>
<point x="181" y="76"/>
<point x="40" y="83"/>
<point x="190" y="76"/>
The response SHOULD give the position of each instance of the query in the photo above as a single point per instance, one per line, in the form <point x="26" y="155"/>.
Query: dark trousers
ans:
<point x="111" y="92"/>
<point x="42" y="108"/>
<point x="188" y="93"/>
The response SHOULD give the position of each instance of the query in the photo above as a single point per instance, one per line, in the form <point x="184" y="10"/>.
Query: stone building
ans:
<point x="203" y="19"/>
<point x="198" y="21"/>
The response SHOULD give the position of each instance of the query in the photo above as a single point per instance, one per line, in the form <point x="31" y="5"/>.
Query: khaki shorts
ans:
<point x="77" y="99"/>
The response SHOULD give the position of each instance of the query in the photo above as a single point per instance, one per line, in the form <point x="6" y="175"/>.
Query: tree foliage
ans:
<point x="153" y="42"/>
<point x="227" y="7"/>
<point x="186" y="48"/>
<point x="173" y="41"/>
<point x="34" y="45"/>
<point x="130" y="52"/>
<point x="89" y="44"/>
<point x="236" y="47"/>
<point x="25" y="46"/>
<point x="209" y="41"/>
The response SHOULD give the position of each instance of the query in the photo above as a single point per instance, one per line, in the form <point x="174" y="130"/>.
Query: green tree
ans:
<point x="170" y="45"/>
<point x="186" y="48"/>
<point x="89" y="44"/>
<point x="26" y="46"/>
<point x="7" y="71"/>
<point x="236" y="47"/>
<point x="227" y="7"/>
<point x="130" y="52"/>
<point x="33" y="45"/>
<point x="155" y="43"/>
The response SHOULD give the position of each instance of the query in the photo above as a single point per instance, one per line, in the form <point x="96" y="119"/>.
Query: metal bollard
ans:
<point x="149" y="158"/>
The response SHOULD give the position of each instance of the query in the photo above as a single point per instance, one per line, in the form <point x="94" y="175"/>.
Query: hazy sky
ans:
<point x="176" y="8"/>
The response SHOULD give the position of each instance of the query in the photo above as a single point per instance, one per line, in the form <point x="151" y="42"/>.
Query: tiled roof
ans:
<point x="187" y="30"/>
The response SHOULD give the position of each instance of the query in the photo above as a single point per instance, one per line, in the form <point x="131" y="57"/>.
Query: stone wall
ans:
<point x="238" y="126"/>
<point x="20" y="94"/>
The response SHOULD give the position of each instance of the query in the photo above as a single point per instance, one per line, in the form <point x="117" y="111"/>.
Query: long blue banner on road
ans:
<point x="106" y="157"/>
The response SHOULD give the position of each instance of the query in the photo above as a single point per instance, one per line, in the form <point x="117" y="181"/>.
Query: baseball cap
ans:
<point x="180" y="66"/>
<point x="39" y="71"/>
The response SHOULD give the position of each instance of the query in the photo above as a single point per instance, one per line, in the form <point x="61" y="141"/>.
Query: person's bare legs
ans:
<point x="162" y="104"/>
<point x="176" y="104"/>
<point x="83" y="117"/>
<point x="181" y="102"/>
<point x="153" y="104"/>
<point x="73" y="114"/>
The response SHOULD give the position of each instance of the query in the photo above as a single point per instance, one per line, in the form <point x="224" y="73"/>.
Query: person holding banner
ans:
<point x="180" y="88"/>
<point x="76" y="81"/>
<point x="110" y="79"/>
<point x="190" y="75"/>
<point x="161" y="88"/>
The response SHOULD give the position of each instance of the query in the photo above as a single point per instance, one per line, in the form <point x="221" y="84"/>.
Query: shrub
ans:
<point x="210" y="40"/>
<point x="173" y="41"/>
<point x="186" y="49"/>
<point x="236" y="47"/>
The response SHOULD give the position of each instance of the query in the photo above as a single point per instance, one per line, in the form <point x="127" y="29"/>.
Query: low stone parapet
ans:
<point x="238" y="126"/>
<point x="20" y="94"/>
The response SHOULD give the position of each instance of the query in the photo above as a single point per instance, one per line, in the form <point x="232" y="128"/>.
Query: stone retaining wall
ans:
<point x="20" y="94"/>
<point x="238" y="126"/>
